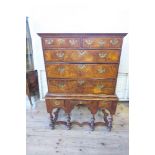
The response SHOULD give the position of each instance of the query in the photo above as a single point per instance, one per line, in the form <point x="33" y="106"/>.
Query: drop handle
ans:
<point x="81" y="66"/>
<point x="60" y="54"/>
<point x="61" y="85"/>
<point x="102" y="55"/>
<point x="61" y="69"/>
<point x="100" y="86"/>
<point x="101" y="70"/>
<point x="81" y="82"/>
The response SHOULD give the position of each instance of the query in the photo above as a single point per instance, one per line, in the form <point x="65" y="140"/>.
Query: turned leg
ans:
<point x="52" y="121"/>
<point x="68" y="121"/>
<point x="110" y="119"/>
<point x="56" y="114"/>
<point x="92" y="123"/>
<point x="105" y="117"/>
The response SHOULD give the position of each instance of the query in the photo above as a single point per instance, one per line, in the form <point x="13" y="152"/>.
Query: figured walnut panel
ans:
<point x="102" y="42"/>
<point x="87" y="56"/>
<point x="81" y="86"/>
<point x="81" y="70"/>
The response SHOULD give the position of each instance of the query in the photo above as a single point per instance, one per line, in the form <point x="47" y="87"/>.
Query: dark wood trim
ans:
<point x="82" y="34"/>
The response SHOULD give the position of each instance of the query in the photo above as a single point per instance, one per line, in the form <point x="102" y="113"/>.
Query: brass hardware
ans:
<point x="57" y="102"/>
<point x="61" y="41"/>
<point x="100" y="86"/>
<point x="49" y="41"/>
<point x="61" y="85"/>
<point x="81" y="53"/>
<point x="114" y="41"/>
<point x="81" y="82"/>
<point x="101" y="43"/>
<point x="60" y="54"/>
<point x="102" y="55"/>
<point x="89" y="42"/>
<point x="81" y="66"/>
<point x="101" y="70"/>
<point x="61" y="69"/>
<point x="73" y="42"/>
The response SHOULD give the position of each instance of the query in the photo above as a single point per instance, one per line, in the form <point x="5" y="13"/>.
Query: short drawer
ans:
<point x="81" y="86"/>
<point x="102" y="43"/>
<point x="81" y="70"/>
<point x="61" y="43"/>
<point x="88" y="56"/>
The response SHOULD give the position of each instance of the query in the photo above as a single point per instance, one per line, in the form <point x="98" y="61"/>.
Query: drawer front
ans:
<point x="81" y="70"/>
<point x="102" y="42"/>
<point x="56" y="103"/>
<point x="61" y="42"/>
<point x="81" y="86"/>
<point x="90" y="56"/>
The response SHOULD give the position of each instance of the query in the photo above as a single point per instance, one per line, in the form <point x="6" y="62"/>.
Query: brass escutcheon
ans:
<point x="61" y="85"/>
<point x="57" y="102"/>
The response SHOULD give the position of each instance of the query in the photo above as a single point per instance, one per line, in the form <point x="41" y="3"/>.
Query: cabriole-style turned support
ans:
<point x="52" y="121"/>
<point x="68" y="121"/>
<point x="56" y="114"/>
<point x="110" y="119"/>
<point x="105" y="117"/>
<point x="92" y="123"/>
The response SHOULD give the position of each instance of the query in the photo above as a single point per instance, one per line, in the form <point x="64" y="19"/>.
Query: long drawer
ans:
<point x="82" y="86"/>
<point x="85" y="56"/>
<point x="81" y="70"/>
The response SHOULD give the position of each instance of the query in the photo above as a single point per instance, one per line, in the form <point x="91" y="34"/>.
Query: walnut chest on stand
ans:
<point x="82" y="69"/>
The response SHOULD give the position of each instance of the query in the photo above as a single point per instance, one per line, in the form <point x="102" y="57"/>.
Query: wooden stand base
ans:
<point x="107" y="105"/>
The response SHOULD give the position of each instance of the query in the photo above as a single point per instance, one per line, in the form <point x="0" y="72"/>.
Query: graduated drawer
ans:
<point x="81" y="86"/>
<point x="101" y="42"/>
<point x="61" y="43"/>
<point x="81" y="70"/>
<point x="88" y="56"/>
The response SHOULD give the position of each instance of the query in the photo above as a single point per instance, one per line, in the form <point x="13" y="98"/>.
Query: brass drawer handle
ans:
<point x="81" y="66"/>
<point x="60" y="54"/>
<point x="61" y="85"/>
<point x="100" y="86"/>
<point x="49" y="41"/>
<point x="57" y="102"/>
<point x="101" y="70"/>
<point x="61" y="69"/>
<point x="114" y="41"/>
<point x="101" y="43"/>
<point x="102" y="55"/>
<point x="61" y="41"/>
<point x="89" y="42"/>
<point x="81" y="53"/>
<point x="73" y="42"/>
<point x="81" y="82"/>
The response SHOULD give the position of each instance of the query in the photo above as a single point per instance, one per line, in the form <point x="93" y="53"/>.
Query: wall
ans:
<point x="71" y="16"/>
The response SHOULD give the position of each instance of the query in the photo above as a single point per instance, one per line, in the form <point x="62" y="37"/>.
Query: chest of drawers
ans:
<point x="82" y="69"/>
